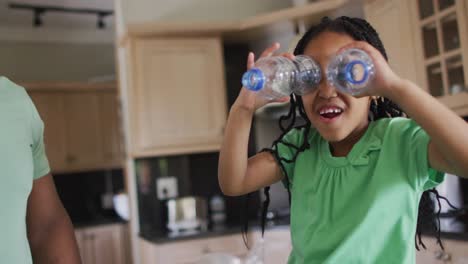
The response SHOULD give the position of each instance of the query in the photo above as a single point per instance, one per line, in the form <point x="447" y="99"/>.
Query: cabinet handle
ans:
<point x="89" y="237"/>
<point x="441" y="255"/>
<point x="206" y="250"/>
<point x="71" y="158"/>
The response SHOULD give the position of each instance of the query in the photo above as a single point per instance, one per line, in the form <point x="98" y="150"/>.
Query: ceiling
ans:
<point x="24" y="18"/>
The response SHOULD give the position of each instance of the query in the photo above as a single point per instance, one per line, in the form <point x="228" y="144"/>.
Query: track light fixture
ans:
<point x="40" y="10"/>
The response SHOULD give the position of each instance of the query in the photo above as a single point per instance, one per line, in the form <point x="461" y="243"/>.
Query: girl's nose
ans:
<point x="326" y="90"/>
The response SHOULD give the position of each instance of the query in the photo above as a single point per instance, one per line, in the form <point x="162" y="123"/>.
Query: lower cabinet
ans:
<point x="456" y="252"/>
<point x="106" y="244"/>
<point x="276" y="248"/>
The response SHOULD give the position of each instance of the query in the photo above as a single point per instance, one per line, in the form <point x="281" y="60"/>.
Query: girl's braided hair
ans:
<point x="360" y="30"/>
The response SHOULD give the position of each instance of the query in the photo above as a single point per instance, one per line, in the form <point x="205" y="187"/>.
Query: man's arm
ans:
<point x="50" y="232"/>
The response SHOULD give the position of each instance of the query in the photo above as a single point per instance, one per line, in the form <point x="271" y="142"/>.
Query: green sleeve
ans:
<point x="285" y="150"/>
<point x="41" y="164"/>
<point x="426" y="177"/>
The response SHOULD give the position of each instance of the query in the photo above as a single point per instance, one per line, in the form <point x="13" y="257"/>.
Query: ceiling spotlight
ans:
<point x="100" y="22"/>
<point x="39" y="10"/>
<point x="37" y="20"/>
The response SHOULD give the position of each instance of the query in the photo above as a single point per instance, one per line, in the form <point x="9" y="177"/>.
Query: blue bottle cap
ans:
<point x="253" y="79"/>
<point x="349" y="74"/>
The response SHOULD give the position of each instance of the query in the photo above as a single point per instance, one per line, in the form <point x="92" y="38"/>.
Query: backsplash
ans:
<point x="82" y="194"/>
<point x="196" y="175"/>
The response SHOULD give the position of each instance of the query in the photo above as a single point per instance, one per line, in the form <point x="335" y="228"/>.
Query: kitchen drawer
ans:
<point x="190" y="251"/>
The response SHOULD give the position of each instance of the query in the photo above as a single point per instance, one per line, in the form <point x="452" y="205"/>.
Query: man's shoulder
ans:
<point x="9" y="87"/>
<point x="15" y="103"/>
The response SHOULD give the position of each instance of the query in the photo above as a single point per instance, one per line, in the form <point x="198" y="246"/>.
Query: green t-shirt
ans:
<point x="361" y="208"/>
<point x="22" y="159"/>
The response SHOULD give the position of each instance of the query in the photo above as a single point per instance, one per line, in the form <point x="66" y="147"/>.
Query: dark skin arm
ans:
<point x="50" y="232"/>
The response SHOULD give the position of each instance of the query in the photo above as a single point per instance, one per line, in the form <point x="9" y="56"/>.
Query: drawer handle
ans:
<point x="441" y="255"/>
<point x="206" y="250"/>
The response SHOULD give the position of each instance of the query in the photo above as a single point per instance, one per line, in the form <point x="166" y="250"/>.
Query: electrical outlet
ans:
<point x="166" y="188"/>
<point x="107" y="201"/>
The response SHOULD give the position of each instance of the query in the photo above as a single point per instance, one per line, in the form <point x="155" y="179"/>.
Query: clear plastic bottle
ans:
<point x="351" y="71"/>
<point x="276" y="77"/>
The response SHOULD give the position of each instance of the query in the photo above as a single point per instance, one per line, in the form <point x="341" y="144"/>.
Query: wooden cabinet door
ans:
<point x="83" y="240"/>
<point x="50" y="106"/>
<point x="178" y="101"/>
<point x="457" y="251"/>
<point x="111" y="132"/>
<point x="107" y="245"/>
<point x="83" y="130"/>
<point x="391" y="19"/>
<point x="102" y="245"/>
<point x="277" y="246"/>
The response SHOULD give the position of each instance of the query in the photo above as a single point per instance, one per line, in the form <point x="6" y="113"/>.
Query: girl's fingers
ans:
<point x="250" y="60"/>
<point x="283" y="99"/>
<point x="362" y="45"/>
<point x="269" y="51"/>
<point x="288" y="55"/>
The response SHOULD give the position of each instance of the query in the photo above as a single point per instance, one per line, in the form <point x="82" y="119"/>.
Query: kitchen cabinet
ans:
<point x="82" y="127"/>
<point x="276" y="245"/>
<point x="51" y="108"/>
<point x="104" y="244"/>
<point x="427" y="42"/>
<point x="455" y="252"/>
<point x="178" y="98"/>
<point x="276" y="248"/>
<point x="190" y="251"/>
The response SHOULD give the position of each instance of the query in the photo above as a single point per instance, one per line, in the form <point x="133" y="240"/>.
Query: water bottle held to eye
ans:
<point x="274" y="77"/>
<point x="277" y="77"/>
<point x="351" y="71"/>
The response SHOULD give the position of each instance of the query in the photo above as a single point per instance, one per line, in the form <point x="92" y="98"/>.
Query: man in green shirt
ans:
<point x="33" y="223"/>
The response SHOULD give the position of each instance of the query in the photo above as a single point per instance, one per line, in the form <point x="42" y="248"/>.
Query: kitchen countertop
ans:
<point x="213" y="232"/>
<point x="455" y="228"/>
<point x="98" y="222"/>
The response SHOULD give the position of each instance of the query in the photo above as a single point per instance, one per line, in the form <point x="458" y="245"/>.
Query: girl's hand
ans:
<point x="385" y="78"/>
<point x="249" y="99"/>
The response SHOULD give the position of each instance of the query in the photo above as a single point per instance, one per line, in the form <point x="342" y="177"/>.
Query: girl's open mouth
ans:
<point x="330" y="113"/>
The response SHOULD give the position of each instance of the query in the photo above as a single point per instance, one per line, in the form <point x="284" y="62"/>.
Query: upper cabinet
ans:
<point x="427" y="42"/>
<point x="177" y="96"/>
<point x="82" y="127"/>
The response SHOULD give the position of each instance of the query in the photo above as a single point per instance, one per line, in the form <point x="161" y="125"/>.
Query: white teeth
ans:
<point x="330" y="110"/>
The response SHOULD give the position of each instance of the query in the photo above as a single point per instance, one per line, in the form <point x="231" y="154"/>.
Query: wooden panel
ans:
<point x="457" y="250"/>
<point x="191" y="250"/>
<point x="111" y="132"/>
<point x="82" y="130"/>
<point x="391" y="20"/>
<point x="179" y="95"/>
<point x="79" y="235"/>
<point x="102" y="244"/>
<point x="107" y="245"/>
<point x="277" y="246"/>
<point x="51" y="109"/>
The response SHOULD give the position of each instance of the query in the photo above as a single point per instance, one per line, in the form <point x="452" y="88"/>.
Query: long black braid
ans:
<point x="360" y="30"/>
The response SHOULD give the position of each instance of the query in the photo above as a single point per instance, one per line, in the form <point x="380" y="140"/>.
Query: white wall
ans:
<point x="28" y="61"/>
<point x="136" y="11"/>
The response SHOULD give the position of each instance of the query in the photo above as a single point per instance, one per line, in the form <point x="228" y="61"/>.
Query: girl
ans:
<point x="356" y="171"/>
